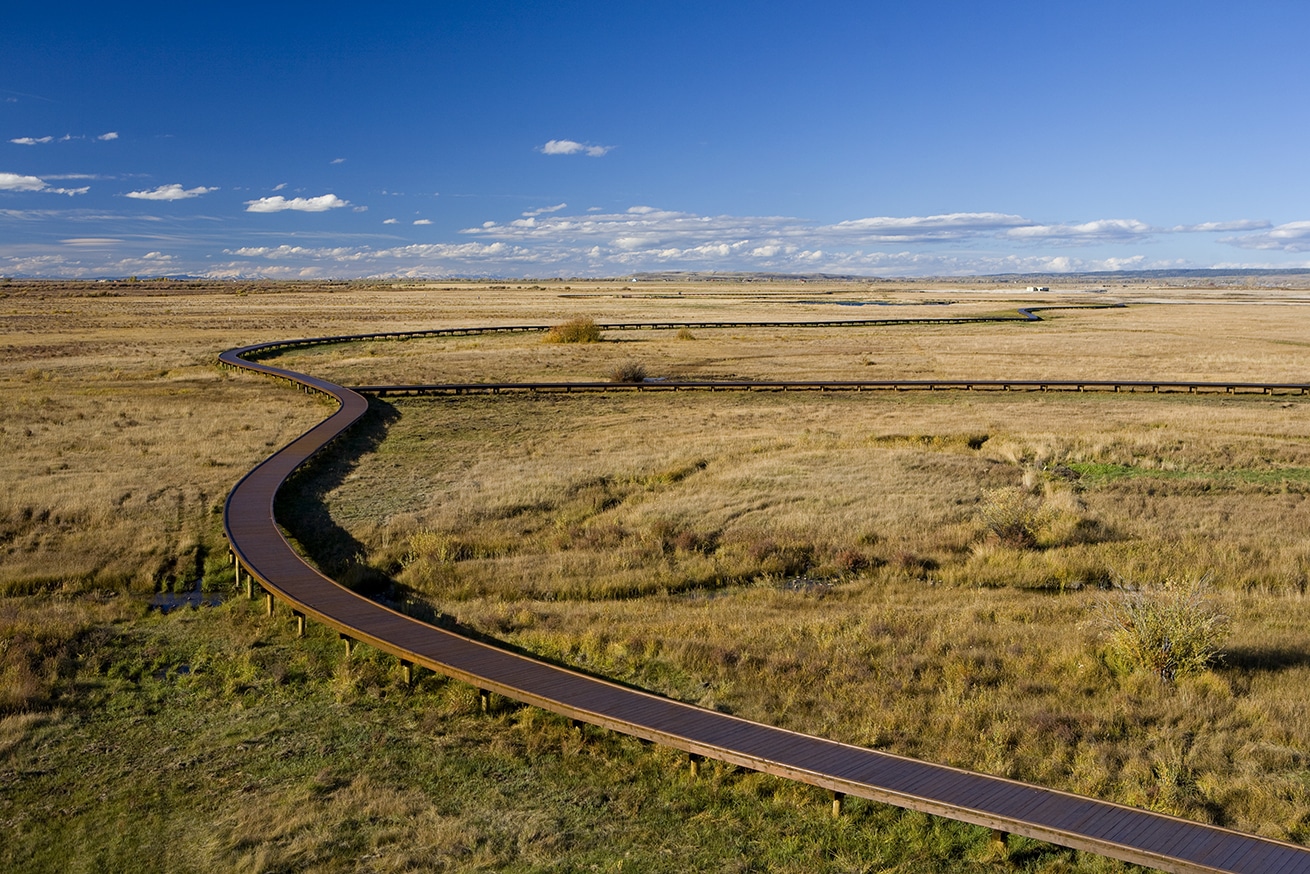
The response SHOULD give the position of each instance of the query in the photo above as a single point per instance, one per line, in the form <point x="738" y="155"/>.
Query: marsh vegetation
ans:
<point x="925" y="573"/>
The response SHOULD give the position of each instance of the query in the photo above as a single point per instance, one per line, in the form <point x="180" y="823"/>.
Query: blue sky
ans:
<point x="534" y="139"/>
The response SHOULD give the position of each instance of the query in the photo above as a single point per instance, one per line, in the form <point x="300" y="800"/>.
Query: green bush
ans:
<point x="581" y="330"/>
<point x="1171" y="630"/>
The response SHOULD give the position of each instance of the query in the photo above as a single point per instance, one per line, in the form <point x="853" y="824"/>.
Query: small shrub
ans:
<point x="629" y="372"/>
<point x="852" y="561"/>
<point x="781" y="559"/>
<point x="581" y="330"/>
<point x="1171" y="631"/>
<point x="674" y="537"/>
<point x="1013" y="516"/>
<point x="1022" y="519"/>
<point x="685" y="334"/>
<point x="914" y="564"/>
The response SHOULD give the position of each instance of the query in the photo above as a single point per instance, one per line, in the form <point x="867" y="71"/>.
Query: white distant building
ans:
<point x="1036" y="288"/>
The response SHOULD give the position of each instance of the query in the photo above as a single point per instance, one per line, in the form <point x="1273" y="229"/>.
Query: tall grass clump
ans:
<point x="579" y="330"/>
<point x="1172" y="630"/>
<point x="629" y="372"/>
<point x="1020" y="518"/>
<point x="1013" y="516"/>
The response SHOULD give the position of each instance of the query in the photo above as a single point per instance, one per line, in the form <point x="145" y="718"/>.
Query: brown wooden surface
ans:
<point x="1113" y="830"/>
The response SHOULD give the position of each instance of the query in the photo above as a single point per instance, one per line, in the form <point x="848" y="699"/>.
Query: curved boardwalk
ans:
<point x="1007" y="806"/>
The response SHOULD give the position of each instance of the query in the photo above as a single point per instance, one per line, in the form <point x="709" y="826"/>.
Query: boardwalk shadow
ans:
<point x="302" y="509"/>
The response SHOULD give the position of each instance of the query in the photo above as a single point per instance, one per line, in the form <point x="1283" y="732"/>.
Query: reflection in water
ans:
<point x="195" y="597"/>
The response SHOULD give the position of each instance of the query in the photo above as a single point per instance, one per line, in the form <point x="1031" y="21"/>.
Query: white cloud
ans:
<point x="278" y="203"/>
<point x="15" y="182"/>
<point x="390" y="221"/>
<point x="1209" y="227"/>
<point x="1289" y="237"/>
<point x="279" y="186"/>
<point x="407" y="254"/>
<point x="1111" y="230"/>
<point x="422" y="221"/>
<point x="545" y="210"/>
<point x="36" y="141"/>
<point x="337" y="161"/>
<point x="170" y="192"/>
<point x="571" y="147"/>
<point x="952" y="226"/>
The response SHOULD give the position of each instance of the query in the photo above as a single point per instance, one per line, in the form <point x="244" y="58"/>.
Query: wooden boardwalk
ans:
<point x="856" y="385"/>
<point x="1007" y="806"/>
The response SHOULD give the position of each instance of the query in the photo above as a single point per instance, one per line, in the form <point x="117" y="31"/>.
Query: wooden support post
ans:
<point x="268" y="602"/>
<point x="837" y="799"/>
<point x="350" y="645"/>
<point x="407" y="672"/>
<point x="695" y="764"/>
<point x="250" y="588"/>
<point x="300" y="622"/>
<point x="998" y="843"/>
<point x="484" y="700"/>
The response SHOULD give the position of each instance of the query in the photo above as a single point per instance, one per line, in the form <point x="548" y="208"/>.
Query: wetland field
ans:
<point x="937" y="574"/>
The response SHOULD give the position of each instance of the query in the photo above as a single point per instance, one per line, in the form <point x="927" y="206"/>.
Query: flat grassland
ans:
<point x="830" y="563"/>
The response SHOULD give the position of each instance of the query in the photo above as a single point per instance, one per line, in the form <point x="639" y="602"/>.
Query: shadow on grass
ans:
<point x="1258" y="658"/>
<point x="302" y="510"/>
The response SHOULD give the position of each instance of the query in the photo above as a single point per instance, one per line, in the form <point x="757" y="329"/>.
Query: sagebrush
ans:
<point x="1171" y="630"/>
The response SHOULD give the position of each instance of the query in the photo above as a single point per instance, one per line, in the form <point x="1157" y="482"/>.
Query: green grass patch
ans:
<point x="1096" y="473"/>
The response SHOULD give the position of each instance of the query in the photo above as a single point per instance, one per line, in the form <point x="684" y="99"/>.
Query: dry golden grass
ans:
<point x="825" y="562"/>
<point x="627" y="535"/>
<point x="816" y="562"/>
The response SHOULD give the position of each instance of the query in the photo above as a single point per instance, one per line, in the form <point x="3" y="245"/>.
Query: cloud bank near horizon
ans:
<point x="547" y="241"/>
<point x="553" y="241"/>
